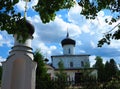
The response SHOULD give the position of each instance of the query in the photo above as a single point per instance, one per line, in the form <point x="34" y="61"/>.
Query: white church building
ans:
<point x="73" y="63"/>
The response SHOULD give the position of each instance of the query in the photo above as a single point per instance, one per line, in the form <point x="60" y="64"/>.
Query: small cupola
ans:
<point x="24" y="25"/>
<point x="68" y="45"/>
<point x="68" y="41"/>
<point x="29" y="26"/>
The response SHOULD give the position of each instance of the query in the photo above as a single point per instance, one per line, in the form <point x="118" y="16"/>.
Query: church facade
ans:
<point x="73" y="63"/>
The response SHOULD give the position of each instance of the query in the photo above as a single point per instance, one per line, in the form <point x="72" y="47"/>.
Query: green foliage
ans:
<point x="86" y="65"/>
<point x="42" y="78"/>
<point x="110" y="36"/>
<point x="100" y="67"/>
<point x="90" y="10"/>
<point x="47" y="8"/>
<point x="113" y="68"/>
<point x="61" y="77"/>
<point x="8" y="16"/>
<point x="9" y="20"/>
<point x="106" y="72"/>
<point x="114" y="83"/>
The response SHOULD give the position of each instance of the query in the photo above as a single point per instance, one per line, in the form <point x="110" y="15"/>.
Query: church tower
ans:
<point x="68" y="45"/>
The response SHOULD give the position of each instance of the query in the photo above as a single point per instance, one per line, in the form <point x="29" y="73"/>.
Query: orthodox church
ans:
<point x="73" y="63"/>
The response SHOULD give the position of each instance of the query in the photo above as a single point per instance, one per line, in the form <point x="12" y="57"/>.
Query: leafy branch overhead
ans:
<point x="90" y="10"/>
<point x="110" y="35"/>
<point x="47" y="8"/>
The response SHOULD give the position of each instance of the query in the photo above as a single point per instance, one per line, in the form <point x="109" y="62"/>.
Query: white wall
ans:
<point x="70" y="58"/>
<point x="68" y="49"/>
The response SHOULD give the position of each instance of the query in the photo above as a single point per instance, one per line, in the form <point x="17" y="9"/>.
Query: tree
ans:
<point x="100" y="67"/>
<point x="42" y="78"/>
<point x="113" y="68"/>
<point x="107" y="71"/>
<point x="61" y="77"/>
<point x="90" y="8"/>
<point x="8" y="16"/>
<point x="47" y="8"/>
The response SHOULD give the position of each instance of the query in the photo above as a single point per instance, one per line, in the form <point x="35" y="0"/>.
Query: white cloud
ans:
<point x="92" y="60"/>
<point x="101" y="13"/>
<point x="73" y="29"/>
<point x="53" y="47"/>
<point x="85" y="28"/>
<point x="74" y="15"/>
<point x="33" y="3"/>
<point x="21" y="4"/>
<point x="115" y="44"/>
<point x="79" y="43"/>
<point x="5" y="39"/>
<point x="1" y="37"/>
<point x="82" y="51"/>
<point x="2" y="60"/>
<point x="93" y="44"/>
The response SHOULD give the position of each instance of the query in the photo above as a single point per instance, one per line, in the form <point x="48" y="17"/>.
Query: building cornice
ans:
<point x="70" y="55"/>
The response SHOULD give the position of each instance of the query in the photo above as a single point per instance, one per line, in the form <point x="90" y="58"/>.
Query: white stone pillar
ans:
<point x="19" y="69"/>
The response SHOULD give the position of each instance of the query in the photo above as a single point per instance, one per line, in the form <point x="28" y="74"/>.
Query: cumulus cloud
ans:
<point x="93" y="44"/>
<point x="92" y="60"/>
<point x="21" y="4"/>
<point x="5" y="39"/>
<point x="1" y="60"/>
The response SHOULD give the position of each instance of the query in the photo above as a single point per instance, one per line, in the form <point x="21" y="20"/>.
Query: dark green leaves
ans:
<point x="106" y="39"/>
<point x="47" y="8"/>
<point x="90" y="10"/>
<point x="116" y="35"/>
<point x="15" y="1"/>
<point x="8" y="16"/>
<point x="110" y="36"/>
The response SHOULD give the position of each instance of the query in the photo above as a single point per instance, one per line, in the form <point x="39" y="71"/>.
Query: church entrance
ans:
<point x="78" y="77"/>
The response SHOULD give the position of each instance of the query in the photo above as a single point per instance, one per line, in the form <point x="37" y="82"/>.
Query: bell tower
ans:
<point x="68" y="45"/>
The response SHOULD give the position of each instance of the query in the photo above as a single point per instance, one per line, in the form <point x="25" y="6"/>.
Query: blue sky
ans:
<point x="47" y="37"/>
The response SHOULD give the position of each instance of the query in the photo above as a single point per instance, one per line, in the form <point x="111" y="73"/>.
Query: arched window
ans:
<point x="71" y="64"/>
<point x="82" y="64"/>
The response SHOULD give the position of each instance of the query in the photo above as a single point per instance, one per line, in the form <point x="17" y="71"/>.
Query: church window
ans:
<point x="82" y="64"/>
<point x="69" y="50"/>
<point x="71" y="64"/>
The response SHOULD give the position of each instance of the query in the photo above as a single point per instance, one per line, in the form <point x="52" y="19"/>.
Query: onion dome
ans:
<point x="46" y="60"/>
<point x="29" y="26"/>
<point x="68" y="41"/>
